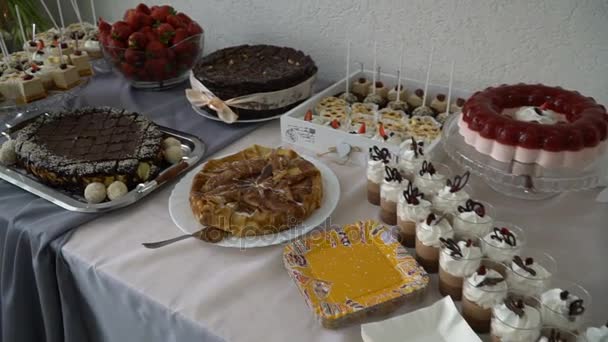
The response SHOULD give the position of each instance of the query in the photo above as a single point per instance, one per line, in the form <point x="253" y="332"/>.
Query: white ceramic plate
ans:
<point x="438" y="322"/>
<point x="179" y="209"/>
<point x="204" y="113"/>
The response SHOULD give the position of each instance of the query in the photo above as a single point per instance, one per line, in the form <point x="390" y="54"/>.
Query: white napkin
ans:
<point x="439" y="322"/>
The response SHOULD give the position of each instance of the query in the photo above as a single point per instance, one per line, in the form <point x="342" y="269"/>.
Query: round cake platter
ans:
<point x="210" y="116"/>
<point x="525" y="181"/>
<point x="182" y="216"/>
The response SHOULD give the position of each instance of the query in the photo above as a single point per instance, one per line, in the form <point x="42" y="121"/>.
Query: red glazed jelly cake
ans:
<point x="549" y="126"/>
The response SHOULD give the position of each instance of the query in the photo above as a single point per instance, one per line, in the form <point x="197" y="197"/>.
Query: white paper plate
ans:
<point x="204" y="113"/>
<point x="179" y="209"/>
<point x="436" y="323"/>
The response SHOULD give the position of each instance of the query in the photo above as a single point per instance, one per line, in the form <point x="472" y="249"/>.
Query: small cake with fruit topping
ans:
<point x="66" y="76"/>
<point x="535" y="124"/>
<point x="80" y="60"/>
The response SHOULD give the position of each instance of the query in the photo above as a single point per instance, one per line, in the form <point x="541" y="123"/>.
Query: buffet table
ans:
<point x="193" y="290"/>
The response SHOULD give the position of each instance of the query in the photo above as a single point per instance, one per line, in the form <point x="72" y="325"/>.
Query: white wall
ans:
<point x="556" y="42"/>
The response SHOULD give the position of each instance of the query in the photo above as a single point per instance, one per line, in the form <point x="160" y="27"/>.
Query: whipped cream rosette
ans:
<point x="431" y="178"/>
<point x="530" y="275"/>
<point x="460" y="258"/>
<point x="481" y="291"/>
<point x="516" y="321"/>
<point x="503" y="243"/>
<point x="392" y="185"/>
<point x="411" y="208"/>
<point x="473" y="218"/>
<point x="564" y="307"/>
<point x="378" y="159"/>
<point x="432" y="229"/>
<point x="411" y="157"/>
<point x="452" y="195"/>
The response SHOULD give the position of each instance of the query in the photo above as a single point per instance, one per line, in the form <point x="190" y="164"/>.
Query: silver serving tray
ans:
<point x="194" y="150"/>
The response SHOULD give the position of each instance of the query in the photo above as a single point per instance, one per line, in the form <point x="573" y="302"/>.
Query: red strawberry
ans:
<point x="180" y="34"/>
<point x="143" y="8"/>
<point x="176" y="21"/>
<point x="381" y="131"/>
<point x="134" y="57"/>
<point x="121" y="31"/>
<point x="154" y="8"/>
<point x="160" y="14"/>
<point x="185" y="48"/>
<point x="127" y="69"/>
<point x="184" y="17"/>
<point x="145" y="20"/>
<point x="138" y="40"/>
<point x="165" y="33"/>
<point x="194" y="28"/>
<point x="116" y="48"/>
<point x="156" y="49"/>
<point x="104" y="26"/>
<point x="156" y="68"/>
<point x="308" y="115"/>
<point x="128" y="14"/>
<point x="362" y="129"/>
<point x="504" y="230"/>
<point x="481" y="270"/>
<point x="335" y="124"/>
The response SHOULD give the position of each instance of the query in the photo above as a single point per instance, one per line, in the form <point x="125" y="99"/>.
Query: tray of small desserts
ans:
<point x="480" y="260"/>
<point x="256" y="197"/>
<point x="371" y="115"/>
<point x="531" y="141"/>
<point x="94" y="159"/>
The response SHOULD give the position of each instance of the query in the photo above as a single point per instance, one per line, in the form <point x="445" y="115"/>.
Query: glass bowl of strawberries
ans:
<point x="152" y="47"/>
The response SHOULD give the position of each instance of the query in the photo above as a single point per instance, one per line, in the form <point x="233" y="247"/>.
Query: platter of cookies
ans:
<point x="257" y="197"/>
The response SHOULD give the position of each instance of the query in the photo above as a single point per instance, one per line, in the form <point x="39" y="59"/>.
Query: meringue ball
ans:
<point x="116" y="190"/>
<point x="7" y="153"/>
<point x="174" y="154"/>
<point x="95" y="192"/>
<point x="349" y="97"/>
<point x="171" y="141"/>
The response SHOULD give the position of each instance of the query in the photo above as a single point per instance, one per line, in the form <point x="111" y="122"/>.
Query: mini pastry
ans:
<point x="39" y="57"/>
<point x="502" y="244"/>
<point x="80" y="60"/>
<point x="515" y="321"/>
<point x="458" y="259"/>
<point x="452" y="195"/>
<point x="330" y="102"/>
<point x="392" y="94"/>
<point x="393" y="125"/>
<point x="423" y="128"/>
<point x="116" y="190"/>
<point x="22" y="87"/>
<point x="480" y="292"/>
<point x="378" y="159"/>
<point x="335" y="113"/>
<point x="65" y="49"/>
<point x="171" y="141"/>
<point x="173" y="154"/>
<point x="375" y="99"/>
<point x="428" y="234"/>
<point x="439" y="105"/>
<point x="472" y="219"/>
<point x="456" y="107"/>
<point x="362" y="124"/>
<point x="7" y="153"/>
<point x="527" y="277"/>
<point x="562" y="309"/>
<point x="411" y="208"/>
<point x="91" y="46"/>
<point x="361" y="87"/>
<point x="364" y="108"/>
<point x="349" y="97"/>
<point x="392" y="114"/>
<point x="429" y="180"/>
<point x="415" y="98"/>
<point x="95" y="192"/>
<point x="66" y="76"/>
<point x="30" y="46"/>
<point x="381" y="90"/>
<point x="390" y="189"/>
<point x="399" y="105"/>
<point x="442" y="118"/>
<point x="411" y="156"/>
<point x="423" y="111"/>
<point x="45" y="73"/>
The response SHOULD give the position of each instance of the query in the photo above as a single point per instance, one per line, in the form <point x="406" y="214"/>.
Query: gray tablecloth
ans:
<point x="35" y="294"/>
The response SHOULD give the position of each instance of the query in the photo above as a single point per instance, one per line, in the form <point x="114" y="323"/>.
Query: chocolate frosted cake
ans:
<point x="248" y="69"/>
<point x="73" y="149"/>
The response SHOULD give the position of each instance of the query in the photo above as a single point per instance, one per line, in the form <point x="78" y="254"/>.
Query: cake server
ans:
<point x="163" y="177"/>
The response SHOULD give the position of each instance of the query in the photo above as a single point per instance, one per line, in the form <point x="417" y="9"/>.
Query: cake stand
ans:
<point x="525" y="181"/>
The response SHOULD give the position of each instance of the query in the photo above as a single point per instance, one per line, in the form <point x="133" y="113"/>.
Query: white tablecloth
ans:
<point x="192" y="289"/>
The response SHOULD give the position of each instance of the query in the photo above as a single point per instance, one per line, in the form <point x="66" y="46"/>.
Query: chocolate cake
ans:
<point x="73" y="149"/>
<point x="248" y="69"/>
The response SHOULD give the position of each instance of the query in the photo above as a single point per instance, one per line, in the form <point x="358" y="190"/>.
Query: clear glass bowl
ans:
<point x="152" y="72"/>
<point x="527" y="181"/>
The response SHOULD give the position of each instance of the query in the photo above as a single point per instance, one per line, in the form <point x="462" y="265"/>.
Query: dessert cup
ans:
<point x="550" y="334"/>
<point x="516" y="320"/>
<point x="389" y="196"/>
<point x="375" y="176"/>
<point x="504" y="242"/>
<point x="411" y="156"/>
<point x="428" y="234"/>
<point x="430" y="183"/>
<point x="480" y="295"/>
<point x="565" y="305"/>
<point x="473" y="218"/>
<point x="408" y="214"/>
<point x="446" y="202"/>
<point x="458" y="259"/>
<point x="530" y="274"/>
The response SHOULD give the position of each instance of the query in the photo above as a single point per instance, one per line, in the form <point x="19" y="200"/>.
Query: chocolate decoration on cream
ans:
<point x="449" y="243"/>
<point x="392" y="174"/>
<point x="524" y="265"/>
<point x="417" y="147"/>
<point x="377" y="154"/>
<point x="576" y="308"/>
<point x="412" y="195"/>
<point x="471" y="205"/>
<point x="504" y="234"/>
<point x="459" y="182"/>
<point x="427" y="167"/>
<point x="517" y="306"/>
<point x="490" y="282"/>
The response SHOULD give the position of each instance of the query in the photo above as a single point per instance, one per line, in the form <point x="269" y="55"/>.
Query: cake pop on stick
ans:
<point x="46" y="9"/>
<point x="347" y="95"/>
<point x="361" y="86"/>
<point x="444" y="115"/>
<point x="378" y="88"/>
<point x="424" y="110"/>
